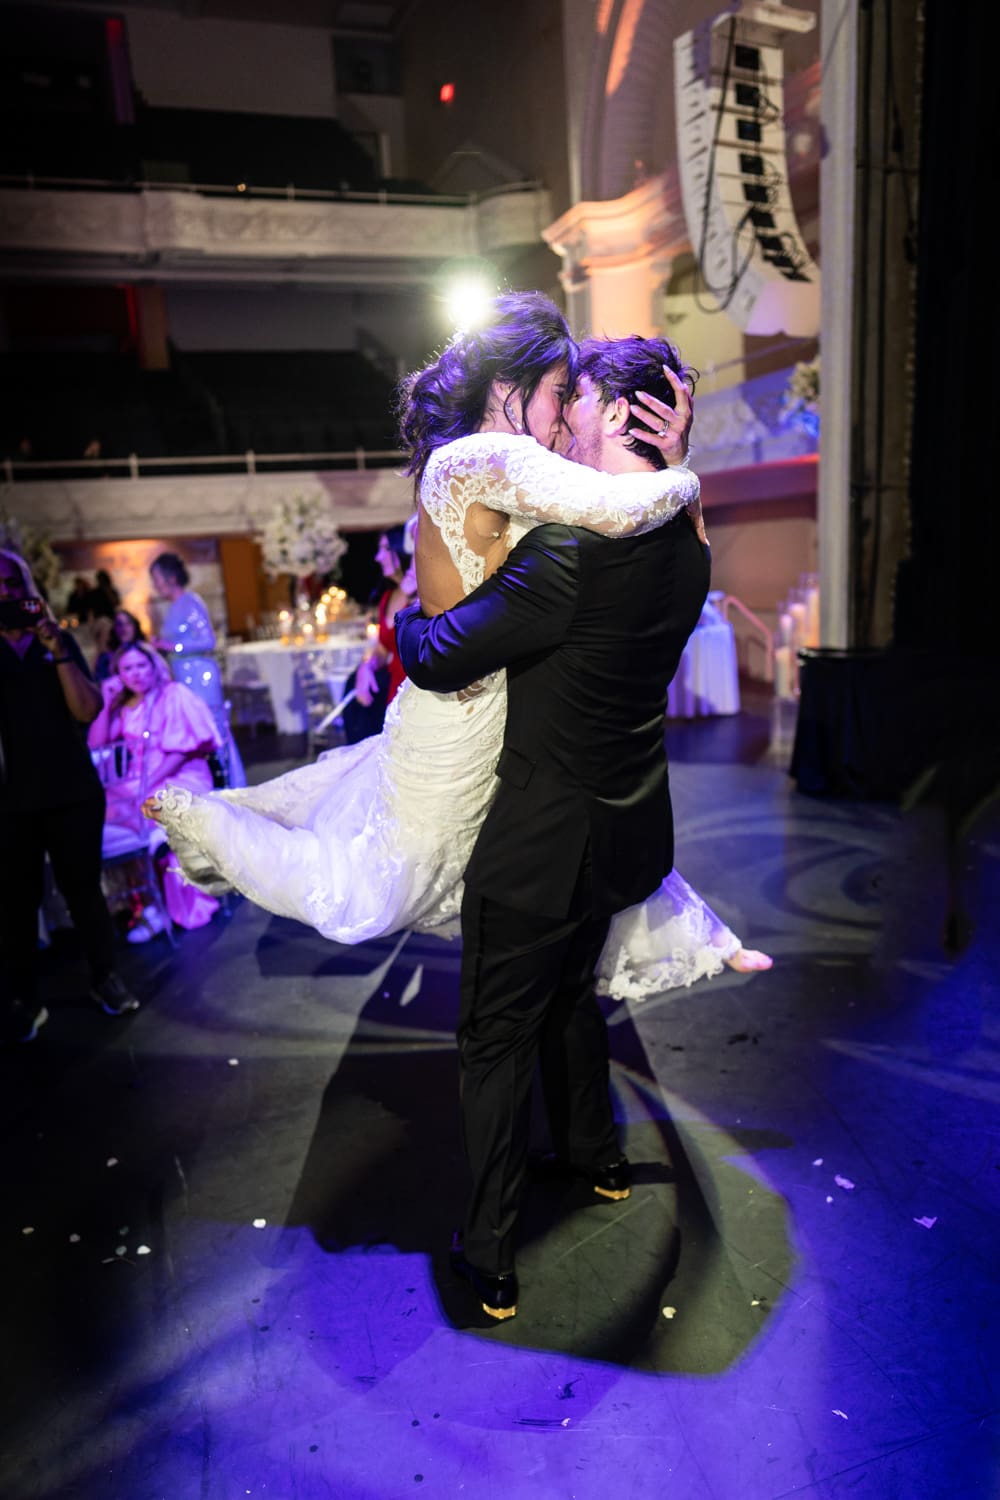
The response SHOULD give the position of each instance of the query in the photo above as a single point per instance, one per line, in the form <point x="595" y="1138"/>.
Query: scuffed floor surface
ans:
<point x="224" y="1220"/>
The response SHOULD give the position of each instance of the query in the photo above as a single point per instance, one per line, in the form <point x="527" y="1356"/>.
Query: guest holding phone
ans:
<point x="51" y="802"/>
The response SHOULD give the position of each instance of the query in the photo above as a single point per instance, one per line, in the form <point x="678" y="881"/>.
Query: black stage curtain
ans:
<point x="922" y="719"/>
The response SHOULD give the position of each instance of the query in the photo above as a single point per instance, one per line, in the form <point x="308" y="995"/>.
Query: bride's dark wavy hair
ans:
<point x="448" y="397"/>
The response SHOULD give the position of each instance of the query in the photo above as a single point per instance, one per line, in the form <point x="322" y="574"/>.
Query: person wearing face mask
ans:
<point x="169" y="733"/>
<point x="51" y="803"/>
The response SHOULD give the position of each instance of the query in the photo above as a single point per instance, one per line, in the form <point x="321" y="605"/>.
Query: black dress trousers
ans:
<point x="527" y="997"/>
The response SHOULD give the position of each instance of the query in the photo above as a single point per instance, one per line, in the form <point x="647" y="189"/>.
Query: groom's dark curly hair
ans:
<point x="620" y="367"/>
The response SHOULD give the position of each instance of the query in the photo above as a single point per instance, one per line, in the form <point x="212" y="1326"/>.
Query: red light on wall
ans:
<point x="446" y="93"/>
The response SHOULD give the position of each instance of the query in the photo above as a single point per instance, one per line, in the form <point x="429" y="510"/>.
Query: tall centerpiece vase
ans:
<point x="303" y="610"/>
<point x="300" y="539"/>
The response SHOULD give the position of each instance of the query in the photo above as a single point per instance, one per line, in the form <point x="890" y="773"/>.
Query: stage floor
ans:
<point x="225" y="1220"/>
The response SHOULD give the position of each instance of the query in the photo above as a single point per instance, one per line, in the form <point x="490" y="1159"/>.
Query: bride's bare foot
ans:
<point x="749" y="961"/>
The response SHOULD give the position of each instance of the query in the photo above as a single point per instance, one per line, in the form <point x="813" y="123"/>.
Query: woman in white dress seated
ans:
<point x="374" y="838"/>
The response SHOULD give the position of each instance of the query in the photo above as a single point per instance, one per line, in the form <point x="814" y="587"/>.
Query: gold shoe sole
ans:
<point x="499" y="1312"/>
<point x="616" y="1195"/>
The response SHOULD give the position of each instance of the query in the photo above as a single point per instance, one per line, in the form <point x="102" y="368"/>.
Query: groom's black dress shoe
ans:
<point x="612" y="1181"/>
<point x="497" y="1294"/>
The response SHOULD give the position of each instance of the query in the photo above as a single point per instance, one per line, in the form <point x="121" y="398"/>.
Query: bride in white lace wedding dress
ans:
<point x="373" y="838"/>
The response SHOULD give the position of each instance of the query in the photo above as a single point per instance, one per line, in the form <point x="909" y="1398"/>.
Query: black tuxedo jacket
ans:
<point x="590" y="631"/>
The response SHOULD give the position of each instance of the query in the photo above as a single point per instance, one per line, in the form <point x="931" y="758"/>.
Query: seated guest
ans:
<point x="169" y="734"/>
<point x="125" y="630"/>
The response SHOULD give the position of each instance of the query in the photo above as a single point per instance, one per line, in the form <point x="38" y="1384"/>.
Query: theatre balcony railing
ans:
<point x="118" y="499"/>
<point x="180" y="230"/>
<point x="250" y="462"/>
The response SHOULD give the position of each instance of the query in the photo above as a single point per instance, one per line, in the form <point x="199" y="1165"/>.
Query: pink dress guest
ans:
<point x="170" y="732"/>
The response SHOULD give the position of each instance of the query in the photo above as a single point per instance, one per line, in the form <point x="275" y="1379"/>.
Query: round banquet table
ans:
<point x="274" y="664"/>
<point x="707" y="679"/>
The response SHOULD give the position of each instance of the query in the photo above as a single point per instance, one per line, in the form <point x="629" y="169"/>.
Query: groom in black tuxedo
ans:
<point x="591" y="632"/>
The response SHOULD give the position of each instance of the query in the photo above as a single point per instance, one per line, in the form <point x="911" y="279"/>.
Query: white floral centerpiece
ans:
<point x="301" y="538"/>
<point x="801" y="404"/>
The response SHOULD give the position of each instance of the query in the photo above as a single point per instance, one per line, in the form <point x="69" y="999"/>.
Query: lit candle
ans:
<point x="783" y="672"/>
<point x="812" y="617"/>
<point x="798" y="614"/>
<point x="784" y="629"/>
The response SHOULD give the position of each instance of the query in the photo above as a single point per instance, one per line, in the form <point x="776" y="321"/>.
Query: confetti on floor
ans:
<point x="926" y="1222"/>
<point x="28" y="1229"/>
<point x="844" y="1182"/>
<point x="838" y="1413"/>
<point x="668" y="1312"/>
<point x="260" y="1223"/>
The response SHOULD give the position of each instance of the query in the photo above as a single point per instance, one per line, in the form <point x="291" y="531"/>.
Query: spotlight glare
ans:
<point x="469" y="302"/>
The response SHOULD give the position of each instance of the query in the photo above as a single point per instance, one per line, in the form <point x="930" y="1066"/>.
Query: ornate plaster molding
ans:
<point x="174" y="228"/>
<point x="645" y="226"/>
<point x="210" y="505"/>
<point x="107" y="222"/>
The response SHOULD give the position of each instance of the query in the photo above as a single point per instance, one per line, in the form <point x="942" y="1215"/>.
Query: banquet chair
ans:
<point x="127" y="850"/>
<point x="322" y="732"/>
<point x="248" y="696"/>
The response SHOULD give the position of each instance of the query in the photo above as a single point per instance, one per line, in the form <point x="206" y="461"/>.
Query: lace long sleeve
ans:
<point x="518" y="477"/>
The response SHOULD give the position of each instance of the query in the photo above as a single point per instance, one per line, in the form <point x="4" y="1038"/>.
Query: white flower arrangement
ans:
<point x="800" y="407"/>
<point x="301" y="538"/>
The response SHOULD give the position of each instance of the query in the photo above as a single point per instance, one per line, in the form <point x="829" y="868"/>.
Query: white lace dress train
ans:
<point x="374" y="838"/>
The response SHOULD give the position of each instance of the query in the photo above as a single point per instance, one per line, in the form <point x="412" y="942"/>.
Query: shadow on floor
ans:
<point x="384" y="1168"/>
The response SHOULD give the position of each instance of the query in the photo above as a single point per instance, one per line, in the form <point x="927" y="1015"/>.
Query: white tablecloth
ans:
<point x="707" y="680"/>
<point x="274" y="664"/>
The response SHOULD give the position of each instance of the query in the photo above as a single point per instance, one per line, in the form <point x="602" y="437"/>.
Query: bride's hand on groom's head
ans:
<point x="662" y="426"/>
